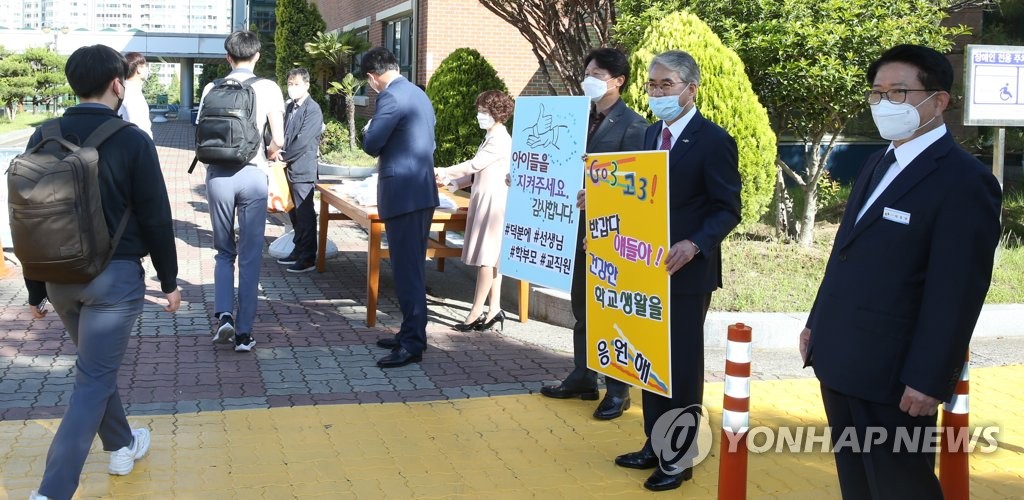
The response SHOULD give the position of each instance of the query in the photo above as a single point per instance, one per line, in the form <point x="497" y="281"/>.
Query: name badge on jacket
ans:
<point x="896" y="216"/>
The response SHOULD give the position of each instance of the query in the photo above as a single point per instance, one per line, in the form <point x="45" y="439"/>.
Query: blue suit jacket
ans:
<point x="301" y="140"/>
<point x="898" y="303"/>
<point x="704" y="198"/>
<point x="401" y="136"/>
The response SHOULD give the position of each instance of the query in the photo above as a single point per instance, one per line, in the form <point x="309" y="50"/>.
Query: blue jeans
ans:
<point x="99" y="315"/>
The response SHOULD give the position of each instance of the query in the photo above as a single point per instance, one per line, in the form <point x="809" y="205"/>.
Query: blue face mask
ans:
<point x="665" y="107"/>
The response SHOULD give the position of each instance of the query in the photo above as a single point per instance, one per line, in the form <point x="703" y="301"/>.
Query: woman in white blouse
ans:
<point x="134" y="108"/>
<point x="486" y="215"/>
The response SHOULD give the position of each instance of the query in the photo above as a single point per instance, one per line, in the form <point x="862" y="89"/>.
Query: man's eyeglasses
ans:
<point x="895" y="96"/>
<point x="664" y="87"/>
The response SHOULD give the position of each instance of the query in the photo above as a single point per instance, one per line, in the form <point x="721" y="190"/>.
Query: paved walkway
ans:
<point x="302" y="417"/>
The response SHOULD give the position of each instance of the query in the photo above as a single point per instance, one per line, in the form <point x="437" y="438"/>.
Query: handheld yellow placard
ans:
<point x="627" y="232"/>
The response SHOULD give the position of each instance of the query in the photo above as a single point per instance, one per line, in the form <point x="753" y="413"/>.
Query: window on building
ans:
<point x="398" y="39"/>
<point x="358" y="58"/>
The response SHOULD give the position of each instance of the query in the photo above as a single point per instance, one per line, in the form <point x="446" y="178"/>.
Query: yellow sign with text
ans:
<point x="627" y="287"/>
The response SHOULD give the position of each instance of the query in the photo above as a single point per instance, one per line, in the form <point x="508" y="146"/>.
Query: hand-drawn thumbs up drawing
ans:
<point x="544" y="132"/>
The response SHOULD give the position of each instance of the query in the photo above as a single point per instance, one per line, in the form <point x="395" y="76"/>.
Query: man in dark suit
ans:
<point x="704" y="187"/>
<point x="908" y="274"/>
<point x="303" y="124"/>
<point x="613" y="127"/>
<point x="401" y="136"/>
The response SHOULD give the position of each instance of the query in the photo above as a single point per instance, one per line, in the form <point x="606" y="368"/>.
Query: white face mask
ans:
<point x="485" y="120"/>
<point x="594" y="88"/>
<point x="296" y="92"/>
<point x="896" y="122"/>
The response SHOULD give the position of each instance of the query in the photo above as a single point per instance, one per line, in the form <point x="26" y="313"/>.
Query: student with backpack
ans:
<point x="233" y="113"/>
<point x="98" y="292"/>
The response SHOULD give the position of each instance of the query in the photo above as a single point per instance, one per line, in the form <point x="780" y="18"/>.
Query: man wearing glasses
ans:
<point x="704" y="207"/>
<point x="908" y="274"/>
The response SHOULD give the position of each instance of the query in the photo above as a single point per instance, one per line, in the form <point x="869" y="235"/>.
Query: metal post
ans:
<point x="998" y="152"/>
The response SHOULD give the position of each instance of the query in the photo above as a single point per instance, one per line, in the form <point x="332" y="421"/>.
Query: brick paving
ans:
<point x="297" y="417"/>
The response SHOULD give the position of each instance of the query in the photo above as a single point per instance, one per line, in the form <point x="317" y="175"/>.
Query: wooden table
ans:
<point x="437" y="247"/>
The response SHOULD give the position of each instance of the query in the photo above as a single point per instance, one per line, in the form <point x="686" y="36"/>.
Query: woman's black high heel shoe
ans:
<point x="497" y="319"/>
<point x="465" y="327"/>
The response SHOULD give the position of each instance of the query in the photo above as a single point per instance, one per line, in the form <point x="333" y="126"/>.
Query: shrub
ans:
<point x="334" y="138"/>
<point x="725" y="97"/>
<point x="462" y="76"/>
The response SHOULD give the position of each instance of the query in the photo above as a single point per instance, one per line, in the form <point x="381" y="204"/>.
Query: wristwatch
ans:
<point x="695" y="247"/>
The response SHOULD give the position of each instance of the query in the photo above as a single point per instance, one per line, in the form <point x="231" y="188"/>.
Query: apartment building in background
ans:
<point x="154" y="16"/>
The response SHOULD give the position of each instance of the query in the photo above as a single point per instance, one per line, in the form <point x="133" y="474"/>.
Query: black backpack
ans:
<point x="56" y="208"/>
<point x="226" y="132"/>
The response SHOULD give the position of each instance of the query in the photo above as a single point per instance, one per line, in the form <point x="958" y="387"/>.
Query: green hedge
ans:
<point x="453" y="89"/>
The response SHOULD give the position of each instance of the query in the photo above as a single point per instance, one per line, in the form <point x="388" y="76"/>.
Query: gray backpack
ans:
<point x="56" y="209"/>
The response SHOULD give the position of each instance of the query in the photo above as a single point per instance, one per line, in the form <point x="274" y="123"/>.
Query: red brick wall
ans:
<point x="452" y="24"/>
<point x="445" y="25"/>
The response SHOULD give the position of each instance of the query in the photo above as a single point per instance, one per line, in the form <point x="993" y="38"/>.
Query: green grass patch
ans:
<point x="762" y="275"/>
<point x="349" y="158"/>
<point x="22" y="120"/>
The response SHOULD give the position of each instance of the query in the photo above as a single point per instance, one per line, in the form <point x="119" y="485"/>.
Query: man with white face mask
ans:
<point x="704" y="206"/>
<point x="613" y="127"/>
<point x="908" y="274"/>
<point x="303" y="123"/>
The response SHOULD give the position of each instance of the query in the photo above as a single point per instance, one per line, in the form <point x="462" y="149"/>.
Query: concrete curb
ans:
<point x="771" y="330"/>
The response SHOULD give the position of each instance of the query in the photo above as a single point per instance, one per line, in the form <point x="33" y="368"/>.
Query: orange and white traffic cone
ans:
<point x="954" y="470"/>
<point x="732" y="468"/>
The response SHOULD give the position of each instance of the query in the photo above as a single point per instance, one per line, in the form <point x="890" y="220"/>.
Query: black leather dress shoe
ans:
<point x="611" y="407"/>
<point x="659" y="481"/>
<point x="643" y="459"/>
<point x="399" y="357"/>
<point x="562" y="391"/>
<point x="388" y="343"/>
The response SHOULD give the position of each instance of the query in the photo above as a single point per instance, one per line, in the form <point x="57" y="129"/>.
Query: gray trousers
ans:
<point x="243" y="190"/>
<point x="99" y="316"/>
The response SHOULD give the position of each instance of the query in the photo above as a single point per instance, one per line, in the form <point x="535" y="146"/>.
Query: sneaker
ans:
<point x="225" y="329"/>
<point x="123" y="461"/>
<point x="244" y="342"/>
<point x="37" y="496"/>
<point x="304" y="266"/>
<point x="289" y="260"/>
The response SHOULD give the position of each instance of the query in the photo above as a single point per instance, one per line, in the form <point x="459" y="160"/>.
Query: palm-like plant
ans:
<point x="332" y="54"/>
<point x="348" y="87"/>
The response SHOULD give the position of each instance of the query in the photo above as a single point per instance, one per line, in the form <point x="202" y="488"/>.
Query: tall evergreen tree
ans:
<point x="298" y="22"/>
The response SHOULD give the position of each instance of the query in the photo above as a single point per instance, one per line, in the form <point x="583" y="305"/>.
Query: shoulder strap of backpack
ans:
<point x="249" y="81"/>
<point x="95" y="139"/>
<point x="103" y="132"/>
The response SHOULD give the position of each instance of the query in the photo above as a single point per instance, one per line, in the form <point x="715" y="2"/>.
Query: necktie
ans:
<point x="880" y="169"/>
<point x="666" y="139"/>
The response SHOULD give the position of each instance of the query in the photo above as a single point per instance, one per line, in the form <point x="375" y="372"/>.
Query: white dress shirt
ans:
<point x="677" y="126"/>
<point x="904" y="155"/>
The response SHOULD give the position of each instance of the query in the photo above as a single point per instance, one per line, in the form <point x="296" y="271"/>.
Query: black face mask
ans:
<point x="120" y="99"/>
